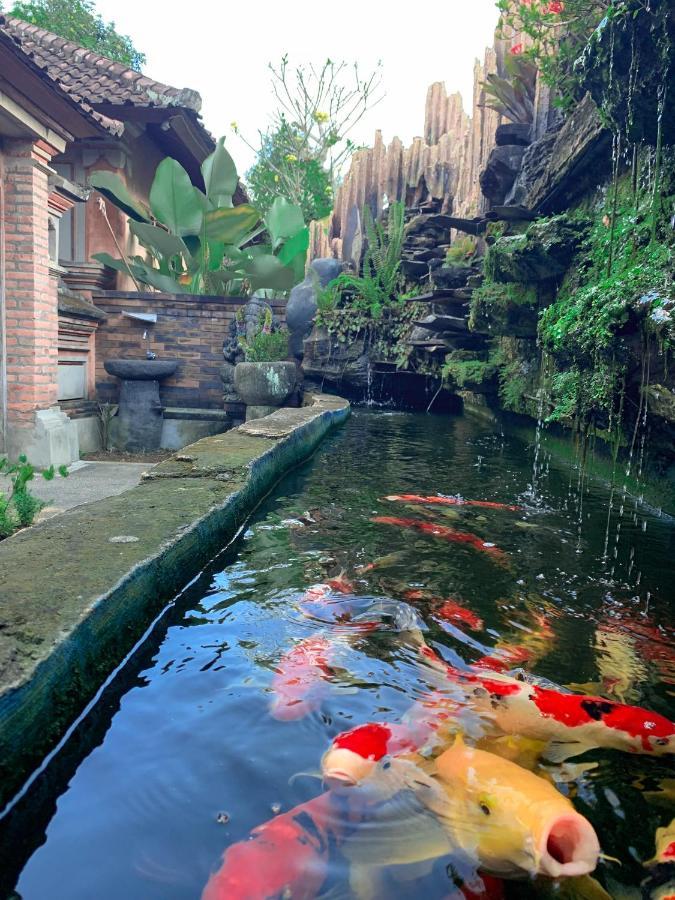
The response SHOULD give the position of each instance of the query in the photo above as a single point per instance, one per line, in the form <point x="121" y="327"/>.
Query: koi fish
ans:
<point x="451" y="611"/>
<point x="446" y="533"/>
<point x="534" y="643"/>
<point x="341" y="584"/>
<point x="285" y="857"/>
<point x="569" y="723"/>
<point x="511" y="821"/>
<point x="451" y="501"/>
<point x="661" y="882"/>
<point x="299" y="680"/>
<point x="354" y="754"/>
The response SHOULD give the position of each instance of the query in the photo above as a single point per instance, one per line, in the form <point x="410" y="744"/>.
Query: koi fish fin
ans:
<point x="561" y="751"/>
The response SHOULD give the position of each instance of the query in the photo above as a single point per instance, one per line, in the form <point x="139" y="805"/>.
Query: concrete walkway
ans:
<point x="87" y="482"/>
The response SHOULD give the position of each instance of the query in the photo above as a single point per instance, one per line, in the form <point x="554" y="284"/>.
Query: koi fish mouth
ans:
<point x="337" y="778"/>
<point x="570" y="848"/>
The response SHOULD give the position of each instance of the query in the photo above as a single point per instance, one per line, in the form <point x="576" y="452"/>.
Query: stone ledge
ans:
<point x="77" y="592"/>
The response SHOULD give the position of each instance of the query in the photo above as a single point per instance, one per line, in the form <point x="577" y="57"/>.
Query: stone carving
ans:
<point x="301" y="306"/>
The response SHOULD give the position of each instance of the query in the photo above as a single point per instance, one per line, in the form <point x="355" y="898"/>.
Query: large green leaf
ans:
<point x="117" y="264"/>
<point x="297" y="245"/>
<point x="112" y="187"/>
<point x="268" y="272"/>
<point x="283" y="221"/>
<point x="231" y="226"/>
<point x="175" y="201"/>
<point x="156" y="279"/>
<point x="142" y="272"/>
<point x="220" y="176"/>
<point x="159" y="241"/>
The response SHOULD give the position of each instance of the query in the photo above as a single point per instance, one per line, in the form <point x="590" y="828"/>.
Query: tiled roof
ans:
<point x="92" y="80"/>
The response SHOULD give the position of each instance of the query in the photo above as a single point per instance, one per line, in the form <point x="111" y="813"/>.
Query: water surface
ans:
<point x="181" y="757"/>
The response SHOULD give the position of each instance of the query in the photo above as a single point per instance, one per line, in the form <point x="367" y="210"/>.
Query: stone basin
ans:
<point x="141" y="369"/>
<point x="138" y="424"/>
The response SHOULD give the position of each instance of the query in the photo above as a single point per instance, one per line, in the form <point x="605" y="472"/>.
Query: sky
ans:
<point x="222" y="50"/>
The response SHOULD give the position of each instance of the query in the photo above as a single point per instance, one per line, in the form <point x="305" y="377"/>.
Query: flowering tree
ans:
<point x="303" y="152"/>
<point x="558" y="31"/>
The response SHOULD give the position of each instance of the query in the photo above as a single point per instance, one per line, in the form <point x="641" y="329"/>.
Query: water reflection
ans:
<point x="200" y="742"/>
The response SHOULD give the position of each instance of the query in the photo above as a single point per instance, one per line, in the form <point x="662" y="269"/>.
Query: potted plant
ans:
<point x="266" y="379"/>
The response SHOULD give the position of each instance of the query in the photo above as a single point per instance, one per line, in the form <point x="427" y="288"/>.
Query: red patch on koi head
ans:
<point x="368" y="741"/>
<point x="669" y="852"/>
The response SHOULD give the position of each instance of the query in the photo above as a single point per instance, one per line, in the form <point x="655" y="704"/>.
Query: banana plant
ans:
<point x="199" y="242"/>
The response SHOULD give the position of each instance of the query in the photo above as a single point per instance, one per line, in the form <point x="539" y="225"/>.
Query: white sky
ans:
<point x="222" y="49"/>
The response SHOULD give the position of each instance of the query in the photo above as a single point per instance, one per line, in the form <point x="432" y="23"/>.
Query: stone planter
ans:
<point x="263" y="386"/>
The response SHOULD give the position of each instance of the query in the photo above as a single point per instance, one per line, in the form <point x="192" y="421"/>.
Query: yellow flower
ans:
<point x="291" y="157"/>
<point x="276" y="178"/>
<point x="321" y="117"/>
<point x="234" y="127"/>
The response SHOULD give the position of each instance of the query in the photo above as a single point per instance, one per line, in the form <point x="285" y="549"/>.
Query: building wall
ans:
<point x="189" y="328"/>
<point x="30" y="291"/>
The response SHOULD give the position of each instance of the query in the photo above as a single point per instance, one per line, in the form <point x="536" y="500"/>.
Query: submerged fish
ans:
<point x="661" y="882"/>
<point x="452" y="611"/>
<point x="286" y="857"/>
<point x="446" y="533"/>
<point x="533" y="644"/>
<point x="451" y="501"/>
<point x="512" y="822"/>
<point x="299" y="681"/>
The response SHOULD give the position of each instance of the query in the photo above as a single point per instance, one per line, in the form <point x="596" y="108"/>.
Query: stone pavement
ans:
<point x="87" y="482"/>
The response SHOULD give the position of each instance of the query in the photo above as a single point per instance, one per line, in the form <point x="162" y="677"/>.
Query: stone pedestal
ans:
<point x="138" y="425"/>
<point x="139" y="420"/>
<point x="52" y="440"/>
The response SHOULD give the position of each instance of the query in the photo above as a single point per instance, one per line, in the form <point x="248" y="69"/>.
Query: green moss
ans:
<point x="542" y="253"/>
<point x="469" y="373"/>
<point x="505" y="308"/>
<point x="620" y="284"/>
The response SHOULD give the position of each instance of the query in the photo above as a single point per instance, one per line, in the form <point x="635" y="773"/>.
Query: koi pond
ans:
<point x="410" y="578"/>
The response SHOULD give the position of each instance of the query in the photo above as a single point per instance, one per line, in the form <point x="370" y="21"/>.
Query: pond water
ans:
<point x="181" y="757"/>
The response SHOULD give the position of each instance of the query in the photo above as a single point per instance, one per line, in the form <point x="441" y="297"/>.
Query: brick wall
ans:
<point x="30" y="291"/>
<point x="189" y="328"/>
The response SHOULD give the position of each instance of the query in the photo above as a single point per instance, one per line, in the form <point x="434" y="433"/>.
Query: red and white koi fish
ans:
<point x="285" y="857"/>
<point x="451" y="501"/>
<point x="446" y="533"/>
<point x="299" y="682"/>
<point x="572" y="723"/>
<point x="452" y="611"/>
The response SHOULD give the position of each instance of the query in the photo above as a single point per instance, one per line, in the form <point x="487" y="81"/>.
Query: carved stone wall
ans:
<point x="442" y="168"/>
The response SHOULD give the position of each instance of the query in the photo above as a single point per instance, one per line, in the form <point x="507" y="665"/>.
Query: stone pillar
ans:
<point x="35" y="424"/>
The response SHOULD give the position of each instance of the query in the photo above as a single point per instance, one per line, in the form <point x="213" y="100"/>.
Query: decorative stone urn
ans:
<point x="264" y="386"/>
<point x="140" y="419"/>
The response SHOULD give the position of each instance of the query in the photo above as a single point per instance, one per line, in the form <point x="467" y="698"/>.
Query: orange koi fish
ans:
<point x="452" y="611"/>
<point x="299" y="681"/>
<point x="534" y="644"/>
<point x="285" y="857"/>
<point x="446" y="533"/>
<point x="451" y="501"/>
